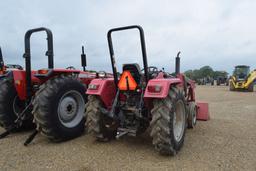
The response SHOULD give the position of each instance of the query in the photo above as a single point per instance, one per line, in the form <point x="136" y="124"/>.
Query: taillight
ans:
<point x="93" y="87"/>
<point x="155" y="88"/>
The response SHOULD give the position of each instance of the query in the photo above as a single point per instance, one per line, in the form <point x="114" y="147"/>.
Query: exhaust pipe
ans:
<point x="83" y="59"/>
<point x="1" y="60"/>
<point x="177" y="64"/>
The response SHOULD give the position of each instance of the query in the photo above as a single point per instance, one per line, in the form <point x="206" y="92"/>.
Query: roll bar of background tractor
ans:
<point x="27" y="55"/>
<point x="143" y="48"/>
<point x="1" y="60"/>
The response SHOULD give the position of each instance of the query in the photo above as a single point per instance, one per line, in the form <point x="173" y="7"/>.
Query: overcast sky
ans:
<point x="214" y="32"/>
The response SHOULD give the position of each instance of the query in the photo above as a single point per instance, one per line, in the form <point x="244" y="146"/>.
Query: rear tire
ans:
<point x="11" y="106"/>
<point x="167" y="139"/>
<point x="59" y="108"/>
<point x="102" y="128"/>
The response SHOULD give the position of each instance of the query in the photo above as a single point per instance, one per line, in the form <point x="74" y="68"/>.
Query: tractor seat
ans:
<point x="134" y="70"/>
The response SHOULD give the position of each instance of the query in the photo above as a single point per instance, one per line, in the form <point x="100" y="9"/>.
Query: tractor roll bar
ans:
<point x="27" y="55"/>
<point x="177" y="65"/>
<point x="143" y="48"/>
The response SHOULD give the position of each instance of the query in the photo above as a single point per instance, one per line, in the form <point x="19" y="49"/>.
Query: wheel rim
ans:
<point x="71" y="109"/>
<point x="179" y="121"/>
<point x="17" y="106"/>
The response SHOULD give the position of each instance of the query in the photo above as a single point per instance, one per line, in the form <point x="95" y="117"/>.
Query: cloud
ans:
<point x="216" y="33"/>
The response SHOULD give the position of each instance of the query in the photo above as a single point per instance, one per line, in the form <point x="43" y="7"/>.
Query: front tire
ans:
<point x="59" y="108"/>
<point x="169" y="122"/>
<point x="192" y="111"/>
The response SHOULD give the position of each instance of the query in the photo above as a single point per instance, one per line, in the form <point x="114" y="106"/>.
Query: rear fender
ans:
<point x="85" y="77"/>
<point x="67" y="71"/>
<point x="48" y="73"/>
<point x="104" y="88"/>
<point x="165" y="85"/>
<point x="45" y="74"/>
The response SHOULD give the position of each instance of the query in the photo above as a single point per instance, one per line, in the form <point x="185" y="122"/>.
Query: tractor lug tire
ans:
<point x="59" y="93"/>
<point x="162" y="123"/>
<point x="96" y="122"/>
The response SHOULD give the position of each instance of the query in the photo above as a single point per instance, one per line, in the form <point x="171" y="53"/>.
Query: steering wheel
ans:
<point x="14" y="66"/>
<point x="71" y="68"/>
<point x="151" y="69"/>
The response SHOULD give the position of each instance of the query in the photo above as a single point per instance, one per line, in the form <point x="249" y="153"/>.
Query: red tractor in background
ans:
<point x="53" y="98"/>
<point x="141" y="99"/>
<point x="4" y="69"/>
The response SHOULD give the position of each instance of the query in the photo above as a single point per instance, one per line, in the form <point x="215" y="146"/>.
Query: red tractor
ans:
<point x="4" y="69"/>
<point x="53" y="98"/>
<point x="141" y="99"/>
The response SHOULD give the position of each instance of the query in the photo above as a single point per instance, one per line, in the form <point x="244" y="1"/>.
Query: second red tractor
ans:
<point x="142" y="98"/>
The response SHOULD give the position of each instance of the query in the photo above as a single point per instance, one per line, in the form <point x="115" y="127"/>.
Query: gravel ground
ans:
<point x="226" y="142"/>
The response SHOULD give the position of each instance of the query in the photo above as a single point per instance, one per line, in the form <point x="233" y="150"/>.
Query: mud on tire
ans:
<point x="103" y="128"/>
<point x="11" y="106"/>
<point x="59" y="108"/>
<point x="162" y="124"/>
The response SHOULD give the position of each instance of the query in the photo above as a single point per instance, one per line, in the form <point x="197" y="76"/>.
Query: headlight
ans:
<point x="102" y="74"/>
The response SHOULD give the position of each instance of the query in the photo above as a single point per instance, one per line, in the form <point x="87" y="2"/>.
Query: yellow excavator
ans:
<point x="242" y="79"/>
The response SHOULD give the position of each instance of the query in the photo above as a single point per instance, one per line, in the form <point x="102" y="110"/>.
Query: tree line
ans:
<point x="205" y="72"/>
